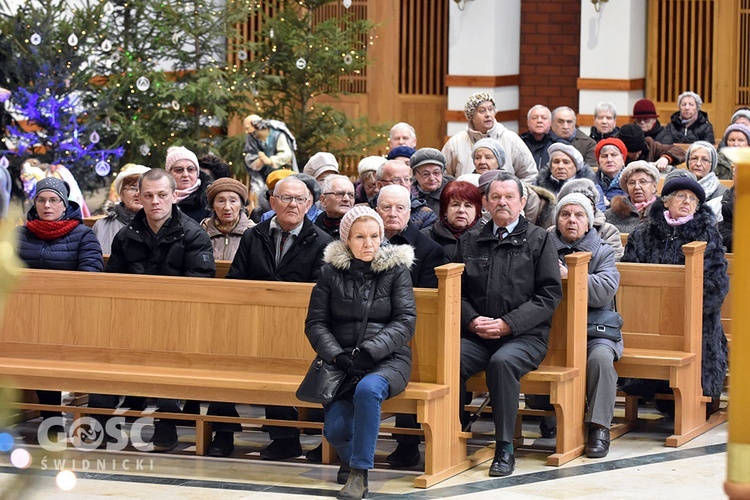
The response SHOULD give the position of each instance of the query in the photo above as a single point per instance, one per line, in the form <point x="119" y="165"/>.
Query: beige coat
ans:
<point x="225" y="246"/>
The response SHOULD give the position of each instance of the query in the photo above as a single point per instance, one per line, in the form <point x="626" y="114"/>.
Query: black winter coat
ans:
<point x="538" y="148"/>
<point x="655" y="242"/>
<point x="545" y="179"/>
<point x="700" y="130"/>
<point x="659" y="133"/>
<point x="195" y="205"/>
<point x="516" y="279"/>
<point x="727" y="212"/>
<point x="440" y="234"/>
<point x="255" y="258"/>
<point x="181" y="248"/>
<point x="428" y="255"/>
<point x="79" y="250"/>
<point x="338" y="301"/>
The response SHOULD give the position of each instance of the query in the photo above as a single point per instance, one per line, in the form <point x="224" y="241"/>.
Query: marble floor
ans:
<point x="638" y="466"/>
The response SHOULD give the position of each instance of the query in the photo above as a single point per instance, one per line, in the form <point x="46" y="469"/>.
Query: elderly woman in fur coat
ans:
<point x="679" y="217"/>
<point x="379" y="357"/>
<point x="639" y="180"/>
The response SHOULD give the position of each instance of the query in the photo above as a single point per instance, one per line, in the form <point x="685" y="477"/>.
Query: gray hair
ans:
<point x="501" y="176"/>
<point x="402" y="125"/>
<point x="535" y="107"/>
<point x="690" y="93"/>
<point x="398" y="190"/>
<point x="328" y="182"/>
<point x="605" y="106"/>
<point x="564" y="108"/>
<point x="381" y="169"/>
<point x="287" y="180"/>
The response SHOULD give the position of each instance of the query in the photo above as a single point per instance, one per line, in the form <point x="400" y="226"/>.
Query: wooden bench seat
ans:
<point x="662" y="310"/>
<point x="562" y="372"/>
<point x="215" y="340"/>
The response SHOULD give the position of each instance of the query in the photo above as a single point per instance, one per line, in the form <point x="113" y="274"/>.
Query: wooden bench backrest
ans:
<point x="567" y="340"/>
<point x="200" y="323"/>
<point x="661" y="304"/>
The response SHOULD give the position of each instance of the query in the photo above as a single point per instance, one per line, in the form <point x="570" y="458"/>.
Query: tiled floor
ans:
<point x="638" y="466"/>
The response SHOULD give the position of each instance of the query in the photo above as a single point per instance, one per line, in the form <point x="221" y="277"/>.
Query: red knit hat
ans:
<point x="644" y="108"/>
<point x="611" y="141"/>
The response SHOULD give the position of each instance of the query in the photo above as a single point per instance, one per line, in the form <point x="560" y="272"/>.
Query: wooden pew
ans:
<point x="661" y="306"/>
<point x="215" y="340"/>
<point x="562" y="374"/>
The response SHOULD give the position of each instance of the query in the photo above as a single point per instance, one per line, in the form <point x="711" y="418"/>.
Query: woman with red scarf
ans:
<point x="55" y="237"/>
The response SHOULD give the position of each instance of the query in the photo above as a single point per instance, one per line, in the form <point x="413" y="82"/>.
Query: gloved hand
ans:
<point x="362" y="362"/>
<point x="344" y="361"/>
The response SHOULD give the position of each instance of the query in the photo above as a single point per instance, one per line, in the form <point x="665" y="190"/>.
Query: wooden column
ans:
<point x="737" y="484"/>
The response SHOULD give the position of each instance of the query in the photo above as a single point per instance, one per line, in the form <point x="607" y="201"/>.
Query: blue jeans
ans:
<point x="352" y="425"/>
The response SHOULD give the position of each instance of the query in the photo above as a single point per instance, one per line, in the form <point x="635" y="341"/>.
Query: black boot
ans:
<point x="356" y="487"/>
<point x="342" y="476"/>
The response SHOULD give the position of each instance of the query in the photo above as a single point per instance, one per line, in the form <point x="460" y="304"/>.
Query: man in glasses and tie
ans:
<point x="511" y="287"/>
<point x="286" y="247"/>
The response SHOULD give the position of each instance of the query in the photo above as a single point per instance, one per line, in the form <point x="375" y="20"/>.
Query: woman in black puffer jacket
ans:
<point x="690" y="124"/>
<point x="680" y="217"/>
<point x="382" y="361"/>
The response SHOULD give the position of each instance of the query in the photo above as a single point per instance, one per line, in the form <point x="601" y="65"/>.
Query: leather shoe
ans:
<point x="222" y="444"/>
<point x="405" y="455"/>
<point x="547" y="432"/>
<point x="503" y="465"/>
<point x="316" y="455"/>
<point x="165" y="436"/>
<point x="597" y="445"/>
<point x="281" y="449"/>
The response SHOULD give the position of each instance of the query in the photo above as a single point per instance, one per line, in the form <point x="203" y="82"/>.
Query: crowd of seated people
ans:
<point x="488" y="195"/>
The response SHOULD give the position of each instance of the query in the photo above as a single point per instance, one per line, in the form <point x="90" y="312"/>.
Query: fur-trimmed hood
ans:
<point x="339" y="256"/>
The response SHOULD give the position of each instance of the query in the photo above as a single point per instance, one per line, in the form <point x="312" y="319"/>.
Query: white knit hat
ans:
<point x="577" y="199"/>
<point x="355" y="213"/>
<point x="177" y="153"/>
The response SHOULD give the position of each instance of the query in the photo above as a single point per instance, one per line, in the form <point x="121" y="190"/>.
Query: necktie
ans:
<point x="284" y="237"/>
<point x="501" y="233"/>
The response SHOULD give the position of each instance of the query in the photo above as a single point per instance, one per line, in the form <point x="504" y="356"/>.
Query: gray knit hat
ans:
<point x="55" y="185"/>
<point x="580" y="200"/>
<point x="494" y="146"/>
<point x="569" y="150"/>
<point x="740" y="112"/>
<point x="737" y="127"/>
<point x="585" y="187"/>
<point x="474" y="101"/>
<point x="708" y="147"/>
<point x="638" y="166"/>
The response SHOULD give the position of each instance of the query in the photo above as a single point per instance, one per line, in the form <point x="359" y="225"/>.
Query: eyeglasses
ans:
<point x="398" y="208"/>
<point x="681" y="197"/>
<point x="179" y="170"/>
<point x="51" y="201"/>
<point x="639" y="182"/>
<point x="397" y="180"/>
<point x="426" y="174"/>
<point x="285" y="198"/>
<point x="131" y="189"/>
<point x="341" y="194"/>
<point x="702" y="161"/>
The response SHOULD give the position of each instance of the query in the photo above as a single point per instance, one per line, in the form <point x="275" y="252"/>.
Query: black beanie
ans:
<point x="633" y="137"/>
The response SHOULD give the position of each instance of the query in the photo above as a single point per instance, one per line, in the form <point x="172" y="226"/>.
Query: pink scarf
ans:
<point x="643" y="204"/>
<point x="184" y="193"/>
<point x="678" y="221"/>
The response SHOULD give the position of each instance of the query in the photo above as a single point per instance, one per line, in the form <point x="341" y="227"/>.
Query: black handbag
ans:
<point x="323" y="381"/>
<point x="604" y="324"/>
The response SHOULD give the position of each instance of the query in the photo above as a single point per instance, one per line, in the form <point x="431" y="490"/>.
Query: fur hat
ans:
<point x="427" y="156"/>
<point x="494" y="146"/>
<point x="226" y="184"/>
<point x="128" y="170"/>
<point x="638" y="166"/>
<point x="370" y="164"/>
<point x="678" y="183"/>
<point x="355" y="213"/>
<point x="474" y="101"/>
<point x="569" y="150"/>
<point x="633" y="137"/>
<point x="401" y="152"/>
<point x="644" y="108"/>
<point x="57" y="186"/>
<point x="177" y="153"/>
<point x="611" y="141"/>
<point x="713" y="155"/>
<point x="576" y="199"/>
<point x="743" y="112"/>
<point x="585" y="187"/>
<point x="737" y="127"/>
<point x="320" y="163"/>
